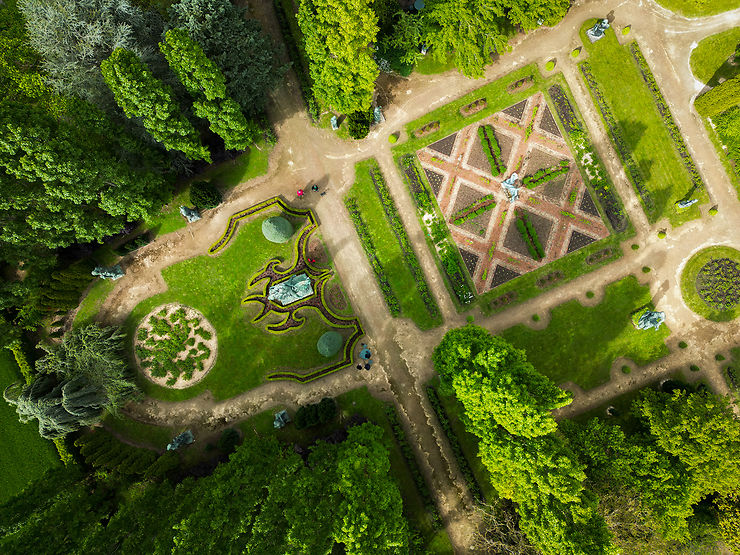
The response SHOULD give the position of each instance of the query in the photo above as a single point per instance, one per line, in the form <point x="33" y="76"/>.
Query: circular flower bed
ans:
<point x="175" y="346"/>
<point x="710" y="283"/>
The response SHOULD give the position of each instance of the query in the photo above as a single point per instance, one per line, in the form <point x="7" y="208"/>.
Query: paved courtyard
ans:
<point x="561" y="210"/>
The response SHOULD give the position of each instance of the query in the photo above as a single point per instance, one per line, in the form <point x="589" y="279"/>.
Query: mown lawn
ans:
<point x="360" y="401"/>
<point x="388" y="249"/>
<point x="699" y="8"/>
<point x="643" y="129"/>
<point x="709" y="58"/>
<point x="581" y="343"/>
<point x="216" y="285"/>
<point x="25" y="455"/>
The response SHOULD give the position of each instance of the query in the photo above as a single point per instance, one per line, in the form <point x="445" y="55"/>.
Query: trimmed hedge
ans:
<point x="394" y="306"/>
<point x="530" y="128"/>
<point x="473" y="209"/>
<point x="545" y="174"/>
<point x="462" y="462"/>
<point x="529" y="234"/>
<point x="720" y="99"/>
<point x="491" y="148"/>
<point x="408" y="455"/>
<point x="101" y="450"/>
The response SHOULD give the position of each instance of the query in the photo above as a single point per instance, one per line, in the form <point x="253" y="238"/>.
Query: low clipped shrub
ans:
<point x="661" y="234"/>
<point x="358" y="124"/>
<point x="205" y="195"/>
<point x="713" y="211"/>
<point x="635" y="246"/>
<point x="682" y="344"/>
<point x="549" y="66"/>
<point x="576" y="52"/>
<point x="694" y="368"/>
<point x="590" y="294"/>
<point x="626" y="30"/>
<point x="626" y="369"/>
<point x="393" y="138"/>
<point x="646" y="269"/>
<point x="718" y="357"/>
<point x="535" y="317"/>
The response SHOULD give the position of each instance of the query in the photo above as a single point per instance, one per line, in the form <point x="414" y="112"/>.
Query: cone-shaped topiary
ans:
<point x="329" y="343"/>
<point x="277" y="229"/>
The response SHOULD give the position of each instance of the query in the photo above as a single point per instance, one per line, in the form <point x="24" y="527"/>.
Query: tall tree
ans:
<point x="207" y="85"/>
<point x="338" y="41"/>
<point x="248" y="59"/>
<point x="141" y="95"/>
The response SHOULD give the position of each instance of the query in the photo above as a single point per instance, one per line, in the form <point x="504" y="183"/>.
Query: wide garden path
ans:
<point x="307" y="154"/>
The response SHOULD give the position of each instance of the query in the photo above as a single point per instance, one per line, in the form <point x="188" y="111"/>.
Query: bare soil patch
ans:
<point x="587" y="205"/>
<point x="538" y="159"/>
<point x="579" y="240"/>
<point x="547" y="123"/>
<point x="516" y="111"/>
<point x="502" y="274"/>
<point x="435" y="180"/>
<point x="477" y="158"/>
<point x="444" y="146"/>
<point x="553" y="190"/>
<point x="471" y="261"/>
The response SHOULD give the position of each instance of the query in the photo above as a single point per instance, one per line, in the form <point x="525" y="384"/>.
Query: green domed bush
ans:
<point x="277" y="229"/>
<point x="393" y="138"/>
<point x="329" y="343"/>
<point x="204" y="195"/>
<point x="549" y="66"/>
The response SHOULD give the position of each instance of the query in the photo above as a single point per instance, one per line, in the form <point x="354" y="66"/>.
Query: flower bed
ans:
<point x="598" y="256"/>
<point x="546" y="174"/>
<point x="530" y="127"/>
<point x="491" y="148"/>
<point x="665" y="113"/>
<point x="502" y="300"/>
<point x="550" y="279"/>
<point x="473" y="107"/>
<point x="457" y="451"/>
<point x="427" y="129"/>
<point x="480" y="206"/>
<point x="520" y="84"/>
<point x="624" y="151"/>
<point x="529" y="234"/>
<point x="409" y="257"/>
<point x="366" y="241"/>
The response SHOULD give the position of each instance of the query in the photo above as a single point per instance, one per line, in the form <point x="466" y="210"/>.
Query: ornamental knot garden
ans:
<point x="511" y="193"/>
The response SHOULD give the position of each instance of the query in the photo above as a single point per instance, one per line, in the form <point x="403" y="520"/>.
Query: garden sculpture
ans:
<point x="598" y="30"/>
<point x="293" y="289"/>
<point x="365" y="352"/>
<point x="334" y="123"/>
<point x="650" y="319"/>
<point x="190" y="214"/>
<point x="686" y="203"/>
<point x="281" y="419"/>
<point x="511" y="188"/>
<point x="185" y="438"/>
<point x="112" y="272"/>
<point x="378" y="115"/>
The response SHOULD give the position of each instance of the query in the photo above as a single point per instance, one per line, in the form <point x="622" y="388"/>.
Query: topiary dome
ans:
<point x="277" y="229"/>
<point x="329" y="343"/>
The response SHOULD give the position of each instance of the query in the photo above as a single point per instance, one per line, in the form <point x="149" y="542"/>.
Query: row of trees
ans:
<point x="665" y="482"/>
<point x="346" y="42"/>
<point x="265" y="499"/>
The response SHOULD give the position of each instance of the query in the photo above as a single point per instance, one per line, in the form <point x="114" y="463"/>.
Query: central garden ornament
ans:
<point x="190" y="214"/>
<point x="650" y="319"/>
<point x="185" y="438"/>
<point x="293" y="289"/>
<point x="509" y="185"/>
<point x="112" y="272"/>
<point x="598" y="30"/>
<point x="686" y="203"/>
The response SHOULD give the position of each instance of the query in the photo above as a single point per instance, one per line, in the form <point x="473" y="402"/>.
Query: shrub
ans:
<point x="626" y="30"/>
<point x="719" y="99"/>
<point x="682" y="344"/>
<point x="661" y="234"/>
<point x="576" y="52"/>
<point x="228" y="441"/>
<point x="549" y="66"/>
<point x="645" y="269"/>
<point x="590" y="294"/>
<point x="204" y="195"/>
<point x="470" y="319"/>
<point x="713" y="211"/>
<point x="315" y="414"/>
<point x="491" y="149"/>
<point x="718" y="357"/>
<point x="626" y="369"/>
<point x="694" y="368"/>
<point x="393" y="138"/>
<point x="546" y="174"/>
<point x="529" y="234"/>
<point x="535" y="317"/>
<point x="635" y="246"/>
<point x="358" y="124"/>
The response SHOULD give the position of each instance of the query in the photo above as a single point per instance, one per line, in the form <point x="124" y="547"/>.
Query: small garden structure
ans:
<point x="175" y="346"/>
<point x="710" y="283"/>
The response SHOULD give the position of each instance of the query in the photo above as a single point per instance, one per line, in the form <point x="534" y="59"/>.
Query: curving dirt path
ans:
<point x="307" y="154"/>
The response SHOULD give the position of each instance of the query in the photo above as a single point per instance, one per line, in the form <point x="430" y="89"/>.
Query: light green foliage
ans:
<point x="168" y="338"/>
<point x="719" y="99"/>
<point x="709" y="60"/>
<point x="528" y="462"/>
<point x="141" y="95"/>
<point x="531" y="14"/>
<point x="729" y="520"/>
<point x="698" y="8"/>
<point x="338" y="37"/>
<point x="207" y="85"/>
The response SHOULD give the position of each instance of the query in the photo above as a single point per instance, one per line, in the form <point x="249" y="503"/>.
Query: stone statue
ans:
<point x="378" y="115"/>
<point x="650" y="319"/>
<point x="190" y="214"/>
<point x="293" y="289"/>
<point x="334" y="123"/>
<point x="105" y="272"/>
<point x="686" y="203"/>
<point x="281" y="419"/>
<point x="509" y="185"/>
<point x="185" y="438"/>
<point x="598" y="30"/>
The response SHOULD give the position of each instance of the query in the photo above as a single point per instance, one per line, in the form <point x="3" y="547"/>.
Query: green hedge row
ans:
<point x="491" y="148"/>
<point x="462" y="462"/>
<point x="720" y="99"/>
<point x="530" y="128"/>
<point x="409" y="256"/>
<point x="545" y="174"/>
<point x="473" y="210"/>
<point x="394" y="306"/>
<point x="529" y="234"/>
<point x="408" y="455"/>
<point x="103" y="451"/>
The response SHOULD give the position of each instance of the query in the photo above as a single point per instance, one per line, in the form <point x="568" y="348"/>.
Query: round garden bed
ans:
<point x="710" y="283"/>
<point x="175" y="346"/>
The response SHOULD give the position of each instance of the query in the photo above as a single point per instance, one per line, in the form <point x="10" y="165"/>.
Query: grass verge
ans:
<point x="688" y="283"/>
<point x="25" y="455"/>
<point x="699" y="8"/>
<point x="709" y="60"/>
<point x="581" y="343"/>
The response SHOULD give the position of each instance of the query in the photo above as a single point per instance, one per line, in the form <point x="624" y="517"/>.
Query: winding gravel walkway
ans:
<point x="307" y="154"/>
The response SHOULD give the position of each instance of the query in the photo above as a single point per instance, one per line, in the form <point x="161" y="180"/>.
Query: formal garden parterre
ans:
<point x="454" y="163"/>
<point x="710" y="283"/>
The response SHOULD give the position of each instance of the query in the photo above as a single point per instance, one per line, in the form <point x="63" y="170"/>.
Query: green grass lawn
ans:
<point x="215" y="285"/>
<point x="709" y="58"/>
<point x="644" y="131"/>
<point x="699" y="8"/>
<point x="581" y="343"/>
<point x="429" y="66"/>
<point x="25" y="455"/>
<point x="360" y="401"/>
<point x="688" y="283"/>
<point x="388" y="249"/>
<point x="90" y="305"/>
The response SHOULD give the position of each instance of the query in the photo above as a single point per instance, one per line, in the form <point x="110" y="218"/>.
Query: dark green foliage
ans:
<point x="205" y="195"/>
<point x="727" y="125"/>
<point x="546" y="174"/>
<point x="228" y="441"/>
<point x="473" y="210"/>
<point x="103" y="451"/>
<point x="491" y="148"/>
<point x="135" y="243"/>
<point x="529" y="234"/>
<point x="720" y="99"/>
<point x="315" y="414"/>
<point x="682" y="344"/>
<point x="694" y="368"/>
<point x="646" y="269"/>
<point x="358" y="123"/>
